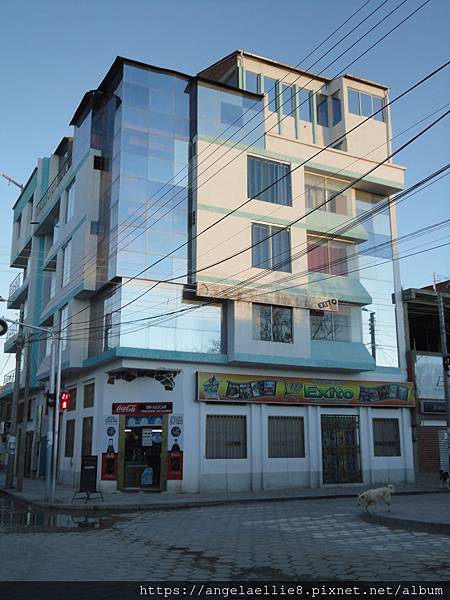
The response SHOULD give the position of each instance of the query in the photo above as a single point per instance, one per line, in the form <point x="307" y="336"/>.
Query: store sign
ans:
<point x="429" y="377"/>
<point x="141" y="408"/>
<point x="330" y="304"/>
<point x="226" y="387"/>
<point x="110" y="446"/>
<point x="433" y="407"/>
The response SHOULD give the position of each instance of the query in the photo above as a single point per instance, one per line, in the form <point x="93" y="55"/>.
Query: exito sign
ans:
<point x="224" y="387"/>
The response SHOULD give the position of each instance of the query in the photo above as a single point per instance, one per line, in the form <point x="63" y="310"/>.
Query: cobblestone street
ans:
<point x="294" y="540"/>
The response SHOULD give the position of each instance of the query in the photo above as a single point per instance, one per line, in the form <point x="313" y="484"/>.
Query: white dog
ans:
<point x="370" y="497"/>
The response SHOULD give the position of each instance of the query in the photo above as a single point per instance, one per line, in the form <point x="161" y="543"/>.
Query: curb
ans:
<point x="188" y="504"/>
<point x="408" y="524"/>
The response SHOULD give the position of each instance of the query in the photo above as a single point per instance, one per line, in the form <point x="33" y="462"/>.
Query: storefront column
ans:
<point x="314" y="437"/>
<point x="256" y="446"/>
<point x="406" y="445"/>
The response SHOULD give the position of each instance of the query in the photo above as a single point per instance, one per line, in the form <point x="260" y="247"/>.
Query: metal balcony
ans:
<point x="17" y="291"/>
<point x="9" y="378"/>
<point x="53" y="185"/>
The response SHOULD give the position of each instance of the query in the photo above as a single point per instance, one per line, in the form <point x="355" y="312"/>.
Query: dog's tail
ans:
<point x="392" y="488"/>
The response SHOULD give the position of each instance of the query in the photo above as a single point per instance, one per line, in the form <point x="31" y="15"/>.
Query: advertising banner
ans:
<point x="141" y="408"/>
<point x="110" y="445"/>
<point x="175" y="448"/>
<point x="227" y="387"/>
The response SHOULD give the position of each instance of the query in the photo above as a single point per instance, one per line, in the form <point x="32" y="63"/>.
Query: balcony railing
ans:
<point x="54" y="184"/>
<point x="9" y="378"/>
<point x="15" y="284"/>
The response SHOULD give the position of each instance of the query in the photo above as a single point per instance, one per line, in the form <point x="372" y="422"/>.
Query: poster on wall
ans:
<point x="175" y="447"/>
<point x="110" y="443"/>
<point x="429" y="377"/>
<point x="229" y="387"/>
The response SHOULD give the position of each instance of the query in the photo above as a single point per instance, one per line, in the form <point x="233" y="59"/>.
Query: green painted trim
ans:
<point x="389" y="370"/>
<point x="241" y="77"/>
<point x="297" y="111"/>
<point x="319" y="222"/>
<point x="345" y="289"/>
<point x="278" y="106"/>
<point x="37" y="304"/>
<point x="150" y="354"/>
<point x="295" y="160"/>
<point x="25" y="195"/>
<point x="61" y="302"/>
<point x="313" y="108"/>
<point x="45" y="175"/>
<point x="260" y="83"/>
<point x="346" y="365"/>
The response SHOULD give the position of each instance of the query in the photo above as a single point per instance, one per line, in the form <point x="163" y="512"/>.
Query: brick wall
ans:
<point x="428" y="449"/>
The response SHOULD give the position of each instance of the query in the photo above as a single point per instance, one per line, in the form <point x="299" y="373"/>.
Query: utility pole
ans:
<point x="23" y="429"/>
<point x="372" y="335"/>
<point x="446" y="374"/>
<point x="56" y="422"/>
<point x="12" y="440"/>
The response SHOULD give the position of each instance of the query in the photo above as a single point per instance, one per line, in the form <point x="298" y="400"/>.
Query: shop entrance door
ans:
<point x="142" y="454"/>
<point x="340" y="449"/>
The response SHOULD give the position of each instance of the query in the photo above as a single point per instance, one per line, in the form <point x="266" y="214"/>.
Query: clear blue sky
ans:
<point x="52" y="51"/>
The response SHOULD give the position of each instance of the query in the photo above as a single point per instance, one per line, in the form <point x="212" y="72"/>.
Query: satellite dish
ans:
<point x="3" y="327"/>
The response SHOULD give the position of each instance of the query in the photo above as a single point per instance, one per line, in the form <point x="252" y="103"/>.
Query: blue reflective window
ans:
<point x="270" y="90"/>
<point x="231" y="114"/>
<point x="274" y="176"/>
<point x="251" y="82"/>
<point x="271" y="247"/>
<point x="353" y="102"/>
<point x="337" y="110"/>
<point x="287" y="100"/>
<point x="366" y="104"/>
<point x="304" y="99"/>
<point x="377" y="104"/>
<point x="322" y="110"/>
<point x="136" y="95"/>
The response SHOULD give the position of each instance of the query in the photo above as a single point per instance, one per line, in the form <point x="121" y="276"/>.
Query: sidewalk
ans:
<point x="430" y="514"/>
<point x="34" y="493"/>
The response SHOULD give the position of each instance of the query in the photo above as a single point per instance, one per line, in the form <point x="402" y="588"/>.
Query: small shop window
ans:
<point x="386" y="437"/>
<point x="86" y="438"/>
<point x="73" y="398"/>
<point x="89" y="391"/>
<point x="226" y="436"/>
<point x="70" y="438"/>
<point x="286" y="437"/>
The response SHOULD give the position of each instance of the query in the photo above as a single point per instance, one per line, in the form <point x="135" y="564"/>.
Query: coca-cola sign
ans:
<point x="142" y="408"/>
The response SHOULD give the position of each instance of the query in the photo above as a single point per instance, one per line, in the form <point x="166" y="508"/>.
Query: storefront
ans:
<point x="307" y="432"/>
<point x="144" y="459"/>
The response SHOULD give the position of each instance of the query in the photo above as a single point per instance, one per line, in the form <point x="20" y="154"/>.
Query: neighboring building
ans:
<point x="425" y="363"/>
<point x="246" y="374"/>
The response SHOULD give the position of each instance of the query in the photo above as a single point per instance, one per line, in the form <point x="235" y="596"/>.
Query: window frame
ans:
<point x="286" y="180"/>
<point x="274" y="450"/>
<point x="346" y="313"/>
<point x="381" y="116"/>
<point x="69" y="440"/>
<point x="382" y="446"/>
<point x="213" y="450"/>
<point x="330" y="266"/>
<point x="86" y="385"/>
<point x="70" y="201"/>
<point x="256" y="306"/>
<point x="66" y="259"/>
<point x="268" y="239"/>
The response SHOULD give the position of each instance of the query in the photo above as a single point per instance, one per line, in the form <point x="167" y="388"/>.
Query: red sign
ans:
<point x="142" y="408"/>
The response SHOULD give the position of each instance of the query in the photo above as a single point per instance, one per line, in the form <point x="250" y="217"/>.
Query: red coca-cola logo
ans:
<point x="127" y="409"/>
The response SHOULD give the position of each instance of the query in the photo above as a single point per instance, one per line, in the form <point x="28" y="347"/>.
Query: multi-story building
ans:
<point x="425" y="364"/>
<point x="217" y="259"/>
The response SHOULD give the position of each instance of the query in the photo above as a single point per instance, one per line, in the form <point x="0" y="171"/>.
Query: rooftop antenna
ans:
<point x="11" y="180"/>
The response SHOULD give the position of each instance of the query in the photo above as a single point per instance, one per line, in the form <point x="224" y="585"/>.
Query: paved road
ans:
<point x="295" y="540"/>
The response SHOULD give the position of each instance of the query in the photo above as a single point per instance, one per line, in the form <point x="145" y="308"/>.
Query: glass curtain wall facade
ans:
<point x="377" y="276"/>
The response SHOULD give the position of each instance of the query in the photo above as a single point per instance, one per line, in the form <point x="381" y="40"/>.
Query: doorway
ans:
<point x="143" y="457"/>
<point x="341" y="461"/>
